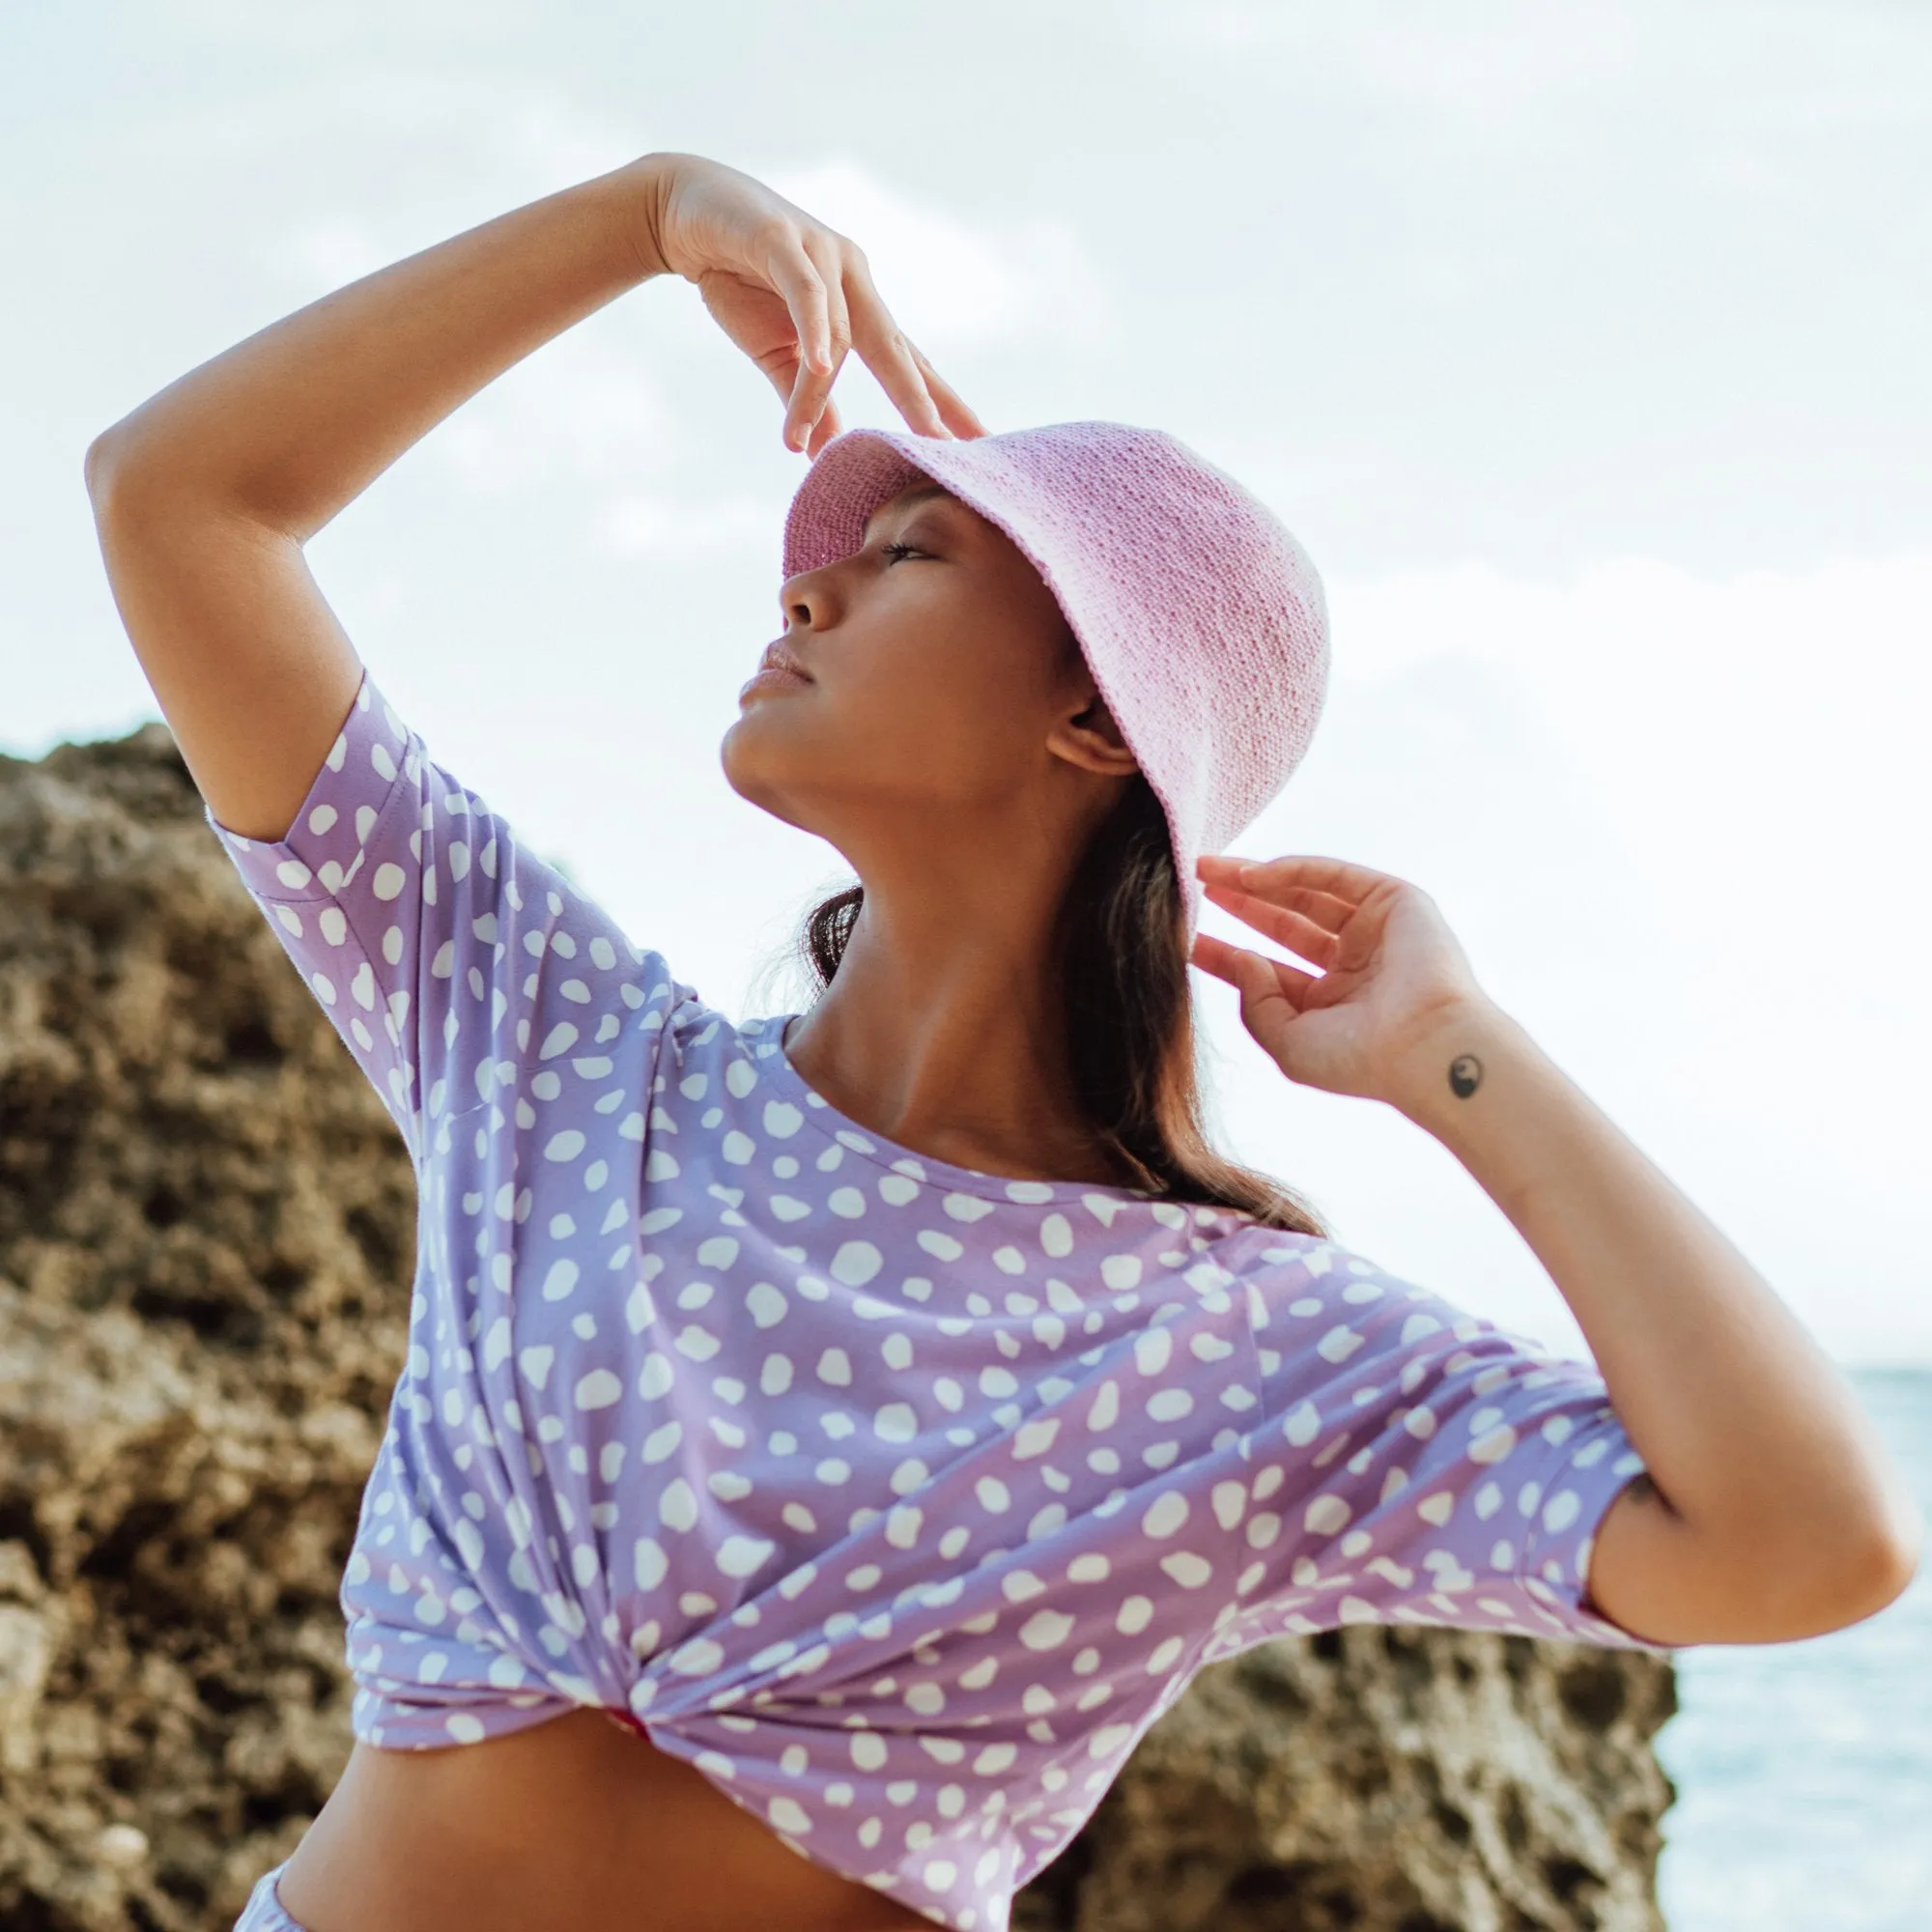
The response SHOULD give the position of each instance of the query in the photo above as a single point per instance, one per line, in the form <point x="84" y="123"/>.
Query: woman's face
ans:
<point x="929" y="683"/>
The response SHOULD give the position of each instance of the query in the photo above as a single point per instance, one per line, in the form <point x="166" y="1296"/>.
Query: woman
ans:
<point x="828" y="1442"/>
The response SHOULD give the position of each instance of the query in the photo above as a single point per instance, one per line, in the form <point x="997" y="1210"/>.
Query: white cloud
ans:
<point x="315" y="26"/>
<point x="1502" y="54"/>
<point x="560" y="138"/>
<point x="676" y="530"/>
<point x="581" y="411"/>
<point x="584" y="410"/>
<point x="328" y="253"/>
<point x="1500" y="69"/>
<point x="958" y="286"/>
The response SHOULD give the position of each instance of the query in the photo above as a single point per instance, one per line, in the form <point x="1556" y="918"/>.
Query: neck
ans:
<point x="944" y="1030"/>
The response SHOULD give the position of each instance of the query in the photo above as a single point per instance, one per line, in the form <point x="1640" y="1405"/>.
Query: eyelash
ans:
<point x="895" y="551"/>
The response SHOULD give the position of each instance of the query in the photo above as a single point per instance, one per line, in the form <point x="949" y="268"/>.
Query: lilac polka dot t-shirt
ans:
<point x="896" y="1497"/>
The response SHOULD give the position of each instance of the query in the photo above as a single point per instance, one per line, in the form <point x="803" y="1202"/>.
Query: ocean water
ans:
<point x="1805" y="1770"/>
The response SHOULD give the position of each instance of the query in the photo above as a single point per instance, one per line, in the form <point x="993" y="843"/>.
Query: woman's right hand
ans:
<point x="793" y="294"/>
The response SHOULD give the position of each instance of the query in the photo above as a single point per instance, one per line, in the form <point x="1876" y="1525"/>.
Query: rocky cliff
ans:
<point x="204" y="1246"/>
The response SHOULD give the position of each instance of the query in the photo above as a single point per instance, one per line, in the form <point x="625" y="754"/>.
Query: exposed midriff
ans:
<point x="578" y="1821"/>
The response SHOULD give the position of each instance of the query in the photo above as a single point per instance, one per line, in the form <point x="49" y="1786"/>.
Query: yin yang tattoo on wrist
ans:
<point x="1466" y="1076"/>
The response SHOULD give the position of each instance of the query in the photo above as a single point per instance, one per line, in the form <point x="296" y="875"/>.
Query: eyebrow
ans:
<point x="905" y="498"/>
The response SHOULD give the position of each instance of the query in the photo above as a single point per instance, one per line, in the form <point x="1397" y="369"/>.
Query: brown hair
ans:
<point x="1122" y="961"/>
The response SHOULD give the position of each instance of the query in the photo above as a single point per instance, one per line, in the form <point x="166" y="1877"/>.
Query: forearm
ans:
<point x="1752" y="1437"/>
<point x="295" y="421"/>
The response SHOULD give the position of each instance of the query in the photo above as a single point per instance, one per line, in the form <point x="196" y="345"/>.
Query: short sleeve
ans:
<point x="1417" y="1464"/>
<point x="440" y="946"/>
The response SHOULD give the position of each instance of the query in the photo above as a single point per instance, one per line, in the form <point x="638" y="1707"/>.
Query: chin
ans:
<point x="750" y="769"/>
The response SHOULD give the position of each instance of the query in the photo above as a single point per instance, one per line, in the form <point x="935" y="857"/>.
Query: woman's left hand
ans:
<point x="1392" y="974"/>
<point x="795" y="295"/>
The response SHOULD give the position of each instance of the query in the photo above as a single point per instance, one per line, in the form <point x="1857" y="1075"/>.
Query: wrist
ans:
<point x="636" y="196"/>
<point x="1457" y="1065"/>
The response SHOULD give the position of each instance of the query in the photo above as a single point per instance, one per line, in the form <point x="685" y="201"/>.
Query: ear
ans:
<point x="1089" y="738"/>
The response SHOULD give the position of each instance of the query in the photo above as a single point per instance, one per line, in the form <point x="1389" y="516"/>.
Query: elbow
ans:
<point x="137" y="474"/>
<point x="1891" y="1555"/>
<point x="96" y="465"/>
<point x="125" y="461"/>
<point x="1884" y="1557"/>
<point x="1800" y="1584"/>
<point x="1869" y="1570"/>
<point x="105" y="469"/>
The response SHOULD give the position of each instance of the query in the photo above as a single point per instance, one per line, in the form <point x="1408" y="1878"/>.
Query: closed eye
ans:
<point x="894" y="551"/>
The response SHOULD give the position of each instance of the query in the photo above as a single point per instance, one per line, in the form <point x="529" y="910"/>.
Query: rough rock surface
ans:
<point x="206" y="1225"/>
<point x="1384" y="1779"/>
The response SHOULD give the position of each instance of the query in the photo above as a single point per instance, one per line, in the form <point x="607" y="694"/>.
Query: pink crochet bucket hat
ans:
<point x="1201" y="618"/>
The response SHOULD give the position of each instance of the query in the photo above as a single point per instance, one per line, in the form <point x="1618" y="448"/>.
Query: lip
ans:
<point x="771" y="681"/>
<point x="779" y="655"/>
<point x="778" y="669"/>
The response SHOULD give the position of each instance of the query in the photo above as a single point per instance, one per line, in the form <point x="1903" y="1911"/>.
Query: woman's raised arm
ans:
<point x="1771" y="1509"/>
<point x="205" y="495"/>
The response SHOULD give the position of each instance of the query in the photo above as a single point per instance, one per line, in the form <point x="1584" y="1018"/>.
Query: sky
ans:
<point x="1580" y="346"/>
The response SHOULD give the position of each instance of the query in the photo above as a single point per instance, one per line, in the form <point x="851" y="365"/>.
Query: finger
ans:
<point x="959" y="418"/>
<point x="1321" y="909"/>
<point x="1245" y="876"/>
<point x="783" y="373"/>
<point x="796" y="277"/>
<point x="887" y="353"/>
<point x="884" y="350"/>
<point x="811" y="387"/>
<point x="1231" y="868"/>
<point x="1253" y="974"/>
<point x="1341" y="878"/>
<point x="825" y="429"/>
<point x="827" y="257"/>
<point x="1268" y="1009"/>
<point x="1282" y="923"/>
<point x="1303" y="873"/>
<point x="1267" y="998"/>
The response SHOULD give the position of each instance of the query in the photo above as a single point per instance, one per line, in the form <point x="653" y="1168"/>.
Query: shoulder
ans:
<point x="1274" y="1263"/>
<point x="1319" y="1306"/>
<point x="704" y="1038"/>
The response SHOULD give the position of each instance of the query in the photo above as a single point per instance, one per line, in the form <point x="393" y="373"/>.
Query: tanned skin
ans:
<point x="946" y="737"/>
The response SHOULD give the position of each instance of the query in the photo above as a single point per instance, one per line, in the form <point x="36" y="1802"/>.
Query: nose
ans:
<point x="801" y="599"/>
